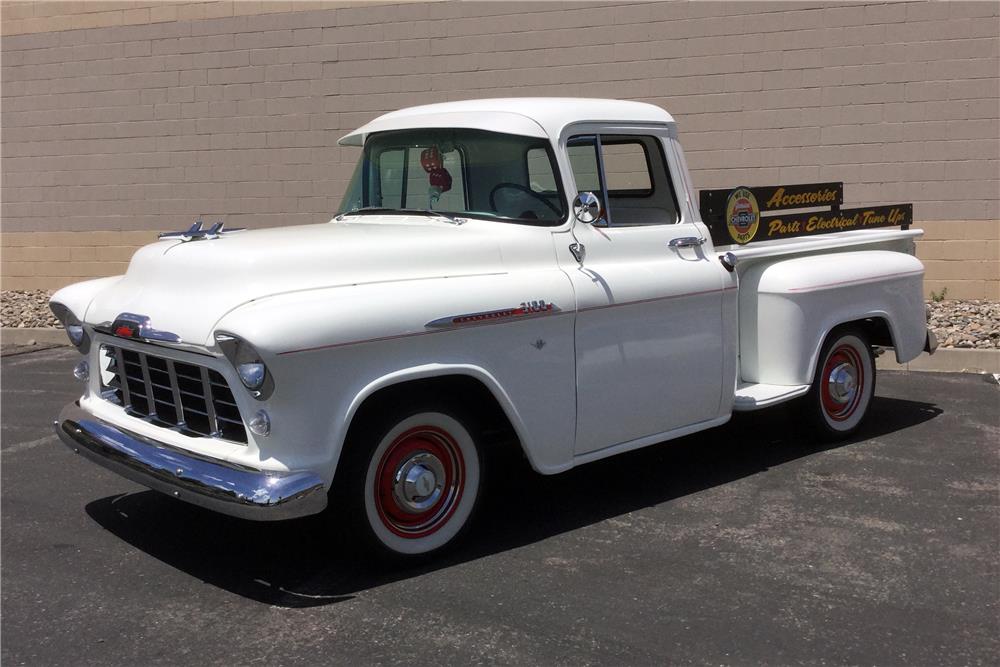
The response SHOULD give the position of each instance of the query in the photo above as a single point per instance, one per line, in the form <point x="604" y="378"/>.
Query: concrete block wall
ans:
<point x="121" y="119"/>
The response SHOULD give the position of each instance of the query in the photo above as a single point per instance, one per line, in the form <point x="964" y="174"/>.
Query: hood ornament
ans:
<point x="196" y="233"/>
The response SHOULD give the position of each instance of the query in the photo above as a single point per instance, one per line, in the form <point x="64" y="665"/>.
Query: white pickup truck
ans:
<point x="538" y="268"/>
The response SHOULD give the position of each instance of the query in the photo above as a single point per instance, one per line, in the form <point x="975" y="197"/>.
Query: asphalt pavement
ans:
<point x="748" y="544"/>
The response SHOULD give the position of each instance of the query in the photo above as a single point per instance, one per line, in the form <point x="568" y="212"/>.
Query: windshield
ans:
<point x="458" y="172"/>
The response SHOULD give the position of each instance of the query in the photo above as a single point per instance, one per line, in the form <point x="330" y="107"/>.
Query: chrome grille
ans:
<point x="194" y="400"/>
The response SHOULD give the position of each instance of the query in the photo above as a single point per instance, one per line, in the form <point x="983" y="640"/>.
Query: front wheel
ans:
<point x="412" y="485"/>
<point x="843" y="386"/>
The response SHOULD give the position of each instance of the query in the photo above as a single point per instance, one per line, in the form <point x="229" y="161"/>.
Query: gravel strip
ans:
<point x="966" y="324"/>
<point x="21" y="309"/>
<point x="963" y="324"/>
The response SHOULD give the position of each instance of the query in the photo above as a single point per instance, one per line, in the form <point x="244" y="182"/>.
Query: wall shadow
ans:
<point x="308" y="562"/>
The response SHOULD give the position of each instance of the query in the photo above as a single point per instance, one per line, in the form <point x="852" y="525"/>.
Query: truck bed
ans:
<point x="894" y="239"/>
<point x="794" y="291"/>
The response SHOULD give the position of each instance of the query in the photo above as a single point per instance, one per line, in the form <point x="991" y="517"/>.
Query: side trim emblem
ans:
<point x="526" y="309"/>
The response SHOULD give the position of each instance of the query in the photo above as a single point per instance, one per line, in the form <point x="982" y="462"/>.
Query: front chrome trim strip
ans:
<point x="217" y="485"/>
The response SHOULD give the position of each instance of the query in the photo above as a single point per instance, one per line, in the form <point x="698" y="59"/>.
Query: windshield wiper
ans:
<point x="437" y="214"/>
<point x="363" y="210"/>
<point x="422" y="211"/>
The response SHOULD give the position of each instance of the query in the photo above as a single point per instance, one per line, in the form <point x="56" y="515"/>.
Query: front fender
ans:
<point x="78" y="296"/>
<point x="426" y="371"/>
<point x="330" y="349"/>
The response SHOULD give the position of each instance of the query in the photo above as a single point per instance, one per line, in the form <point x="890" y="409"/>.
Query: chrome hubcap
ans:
<point x="843" y="383"/>
<point x="418" y="482"/>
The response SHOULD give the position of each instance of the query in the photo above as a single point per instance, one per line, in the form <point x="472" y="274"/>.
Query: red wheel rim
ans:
<point x="842" y="383"/>
<point x="419" y="482"/>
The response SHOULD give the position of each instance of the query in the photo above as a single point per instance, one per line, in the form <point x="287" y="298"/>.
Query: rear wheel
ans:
<point x="411" y="485"/>
<point x="843" y="386"/>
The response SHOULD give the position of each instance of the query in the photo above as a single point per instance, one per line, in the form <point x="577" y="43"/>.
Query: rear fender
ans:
<point x="787" y="309"/>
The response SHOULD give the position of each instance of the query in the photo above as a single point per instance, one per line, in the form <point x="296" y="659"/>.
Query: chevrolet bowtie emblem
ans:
<point x="130" y="325"/>
<point x="125" y="330"/>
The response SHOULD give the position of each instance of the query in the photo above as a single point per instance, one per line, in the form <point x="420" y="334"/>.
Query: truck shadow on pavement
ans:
<point x="311" y="562"/>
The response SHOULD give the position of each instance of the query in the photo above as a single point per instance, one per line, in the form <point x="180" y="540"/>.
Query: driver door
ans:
<point x="649" y="323"/>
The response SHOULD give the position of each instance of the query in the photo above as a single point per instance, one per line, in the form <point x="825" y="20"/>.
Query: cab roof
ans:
<point x="528" y="116"/>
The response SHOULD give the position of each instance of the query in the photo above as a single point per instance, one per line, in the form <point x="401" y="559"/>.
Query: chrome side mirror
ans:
<point x="587" y="208"/>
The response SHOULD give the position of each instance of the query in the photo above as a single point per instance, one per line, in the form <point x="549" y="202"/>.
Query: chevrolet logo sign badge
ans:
<point x="130" y="325"/>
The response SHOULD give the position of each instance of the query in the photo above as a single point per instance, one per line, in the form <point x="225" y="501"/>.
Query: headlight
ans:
<point x="249" y="366"/>
<point x="252" y="374"/>
<point x="75" y="333"/>
<point x="74" y="327"/>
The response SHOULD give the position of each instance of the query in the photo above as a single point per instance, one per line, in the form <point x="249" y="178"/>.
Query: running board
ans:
<point x="750" y="396"/>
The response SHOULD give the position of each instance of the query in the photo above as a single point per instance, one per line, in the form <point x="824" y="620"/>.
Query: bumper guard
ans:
<point x="931" y="346"/>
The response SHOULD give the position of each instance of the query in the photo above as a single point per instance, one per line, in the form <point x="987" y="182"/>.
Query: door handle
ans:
<point x="686" y="242"/>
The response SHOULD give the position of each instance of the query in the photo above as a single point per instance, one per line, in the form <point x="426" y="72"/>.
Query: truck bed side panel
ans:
<point x="789" y="306"/>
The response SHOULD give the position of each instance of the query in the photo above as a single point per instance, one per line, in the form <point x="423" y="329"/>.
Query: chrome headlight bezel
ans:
<point x="76" y="332"/>
<point x="241" y="354"/>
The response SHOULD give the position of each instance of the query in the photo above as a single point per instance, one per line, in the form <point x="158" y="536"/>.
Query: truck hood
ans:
<point x="186" y="287"/>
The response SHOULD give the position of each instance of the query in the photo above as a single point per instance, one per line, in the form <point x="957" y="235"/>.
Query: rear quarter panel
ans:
<point x="787" y="308"/>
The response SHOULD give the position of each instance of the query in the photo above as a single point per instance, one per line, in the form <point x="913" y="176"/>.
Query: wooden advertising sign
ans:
<point x="776" y="197"/>
<point x="742" y="215"/>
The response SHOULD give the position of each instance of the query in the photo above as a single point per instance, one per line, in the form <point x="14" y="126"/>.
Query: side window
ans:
<point x="584" y="158"/>
<point x="540" y="176"/>
<point x="627" y="168"/>
<point x="639" y="189"/>
<point x="582" y="153"/>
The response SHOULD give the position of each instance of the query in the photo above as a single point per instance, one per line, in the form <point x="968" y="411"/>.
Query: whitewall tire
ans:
<point x="412" y="483"/>
<point x="844" y="384"/>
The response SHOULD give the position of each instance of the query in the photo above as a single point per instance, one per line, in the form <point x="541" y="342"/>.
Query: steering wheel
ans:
<point x="526" y="190"/>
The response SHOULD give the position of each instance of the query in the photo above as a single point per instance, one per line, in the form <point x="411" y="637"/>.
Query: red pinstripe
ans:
<point x="856" y="280"/>
<point x="505" y="321"/>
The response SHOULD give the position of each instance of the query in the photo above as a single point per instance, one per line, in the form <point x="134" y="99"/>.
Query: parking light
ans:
<point x="82" y="371"/>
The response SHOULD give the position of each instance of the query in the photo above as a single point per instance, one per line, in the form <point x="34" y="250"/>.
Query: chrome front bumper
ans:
<point x="217" y="485"/>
